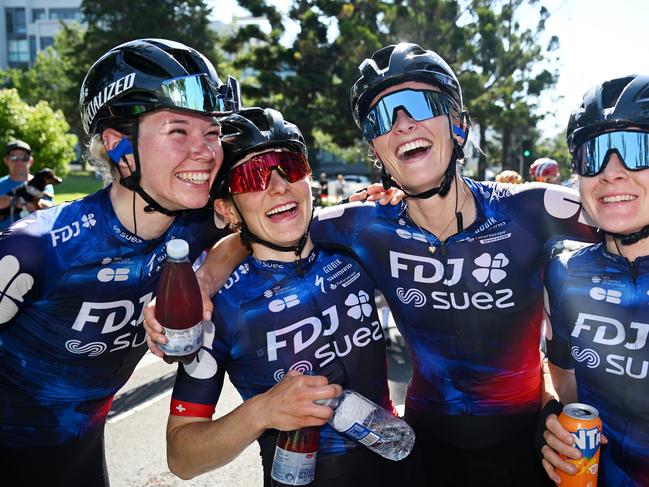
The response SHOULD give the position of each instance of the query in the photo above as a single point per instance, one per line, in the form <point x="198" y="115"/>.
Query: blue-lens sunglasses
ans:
<point x="420" y="105"/>
<point x="632" y="147"/>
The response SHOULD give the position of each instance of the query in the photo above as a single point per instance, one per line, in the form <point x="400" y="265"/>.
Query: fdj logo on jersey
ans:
<point x="609" y="332"/>
<point x="304" y="334"/>
<point x="426" y="270"/>
<point x="111" y="317"/>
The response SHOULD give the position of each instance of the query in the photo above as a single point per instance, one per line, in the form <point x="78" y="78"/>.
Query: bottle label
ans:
<point x="362" y="434"/>
<point x="183" y="342"/>
<point x="292" y="468"/>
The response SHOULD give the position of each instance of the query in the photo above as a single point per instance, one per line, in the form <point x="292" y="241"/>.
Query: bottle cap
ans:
<point x="177" y="248"/>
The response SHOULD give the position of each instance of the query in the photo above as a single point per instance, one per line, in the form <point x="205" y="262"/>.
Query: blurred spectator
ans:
<point x="18" y="158"/>
<point x="509" y="176"/>
<point x="324" y="188"/>
<point x="340" y="188"/>
<point x="545" y="170"/>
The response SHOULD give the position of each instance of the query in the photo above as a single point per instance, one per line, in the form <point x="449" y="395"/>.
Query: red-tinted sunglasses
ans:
<point x="254" y="174"/>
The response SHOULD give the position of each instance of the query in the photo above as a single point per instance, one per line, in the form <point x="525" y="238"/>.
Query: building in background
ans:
<point x="29" y="26"/>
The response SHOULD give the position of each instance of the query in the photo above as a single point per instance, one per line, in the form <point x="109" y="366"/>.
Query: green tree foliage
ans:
<point x="56" y="75"/>
<point x="499" y="62"/>
<point x="113" y="22"/>
<point x="44" y="129"/>
<point x="504" y="72"/>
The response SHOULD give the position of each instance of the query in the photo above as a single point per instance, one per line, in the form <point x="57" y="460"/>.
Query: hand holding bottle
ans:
<point x="290" y="404"/>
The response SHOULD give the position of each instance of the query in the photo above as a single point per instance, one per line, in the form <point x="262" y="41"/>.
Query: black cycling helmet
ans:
<point x="255" y="130"/>
<point x="144" y="75"/>
<point x="614" y="104"/>
<point x="398" y="63"/>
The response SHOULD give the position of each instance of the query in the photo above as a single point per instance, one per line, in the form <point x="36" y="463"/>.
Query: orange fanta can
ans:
<point x="585" y="425"/>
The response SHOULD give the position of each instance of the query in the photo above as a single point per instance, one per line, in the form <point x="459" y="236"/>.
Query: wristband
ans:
<point x="551" y="407"/>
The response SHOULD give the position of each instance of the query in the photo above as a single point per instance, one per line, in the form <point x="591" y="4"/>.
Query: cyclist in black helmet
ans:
<point x="597" y="306"/>
<point x="77" y="275"/>
<point x="288" y="308"/>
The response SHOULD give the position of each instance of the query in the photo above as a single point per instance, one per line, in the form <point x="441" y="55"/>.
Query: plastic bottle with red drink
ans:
<point x="295" y="456"/>
<point x="178" y="304"/>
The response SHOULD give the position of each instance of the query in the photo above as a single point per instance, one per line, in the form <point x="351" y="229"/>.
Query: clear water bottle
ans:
<point x="360" y="419"/>
<point x="179" y="308"/>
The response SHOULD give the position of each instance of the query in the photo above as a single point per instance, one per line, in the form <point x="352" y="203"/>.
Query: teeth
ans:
<point x="281" y="209"/>
<point x="194" y="177"/>
<point x="617" y="198"/>
<point x="414" y="144"/>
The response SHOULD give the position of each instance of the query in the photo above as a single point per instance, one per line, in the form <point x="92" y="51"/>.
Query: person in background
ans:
<point x="509" y="176"/>
<point x="18" y="158"/>
<point x="545" y="170"/>
<point x="324" y="188"/>
<point x="339" y="186"/>
<point x="289" y="307"/>
<point x="596" y="310"/>
<point x="77" y="275"/>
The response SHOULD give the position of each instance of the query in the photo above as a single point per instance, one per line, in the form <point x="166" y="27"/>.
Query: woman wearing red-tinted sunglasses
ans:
<point x="290" y="307"/>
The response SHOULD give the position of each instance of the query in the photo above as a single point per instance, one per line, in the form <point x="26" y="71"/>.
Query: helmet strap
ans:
<point x="132" y="181"/>
<point x="449" y="174"/>
<point x="631" y="238"/>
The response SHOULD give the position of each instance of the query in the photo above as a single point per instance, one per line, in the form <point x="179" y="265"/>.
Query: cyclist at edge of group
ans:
<point x="596" y="311"/>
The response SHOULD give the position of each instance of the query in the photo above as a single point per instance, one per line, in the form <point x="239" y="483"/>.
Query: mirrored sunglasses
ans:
<point x="254" y="174"/>
<point x="632" y="148"/>
<point x="195" y="92"/>
<point x="19" y="158"/>
<point x="420" y="105"/>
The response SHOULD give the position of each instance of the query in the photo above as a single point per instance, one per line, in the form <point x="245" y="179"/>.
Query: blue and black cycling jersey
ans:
<point x="73" y="285"/>
<point x="272" y="317"/>
<point x="598" y="307"/>
<point x="469" y="308"/>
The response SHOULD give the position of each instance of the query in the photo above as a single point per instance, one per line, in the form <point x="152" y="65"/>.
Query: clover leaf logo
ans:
<point x="490" y="269"/>
<point x="13" y="287"/>
<point x="88" y="220"/>
<point x="359" y="305"/>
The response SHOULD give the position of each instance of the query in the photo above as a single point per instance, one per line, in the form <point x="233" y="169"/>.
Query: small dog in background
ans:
<point x="31" y="191"/>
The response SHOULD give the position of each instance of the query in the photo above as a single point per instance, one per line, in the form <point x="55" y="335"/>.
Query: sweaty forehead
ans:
<point x="415" y="85"/>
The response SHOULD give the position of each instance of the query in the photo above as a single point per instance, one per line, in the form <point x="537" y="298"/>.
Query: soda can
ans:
<point x="585" y="425"/>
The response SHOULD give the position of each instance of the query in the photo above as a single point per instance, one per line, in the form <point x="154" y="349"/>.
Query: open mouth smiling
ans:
<point x="194" y="177"/>
<point x="278" y="210"/>
<point x="412" y="149"/>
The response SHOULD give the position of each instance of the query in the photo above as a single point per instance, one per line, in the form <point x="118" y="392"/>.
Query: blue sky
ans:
<point x="599" y="40"/>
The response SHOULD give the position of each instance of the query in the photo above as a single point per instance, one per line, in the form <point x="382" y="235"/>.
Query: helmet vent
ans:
<point x="612" y="90"/>
<point x="144" y="65"/>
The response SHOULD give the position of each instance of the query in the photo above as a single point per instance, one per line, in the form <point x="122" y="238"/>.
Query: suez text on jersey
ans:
<point x="304" y="333"/>
<point x="611" y="332"/>
<point x="427" y="270"/>
<point x="112" y="317"/>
